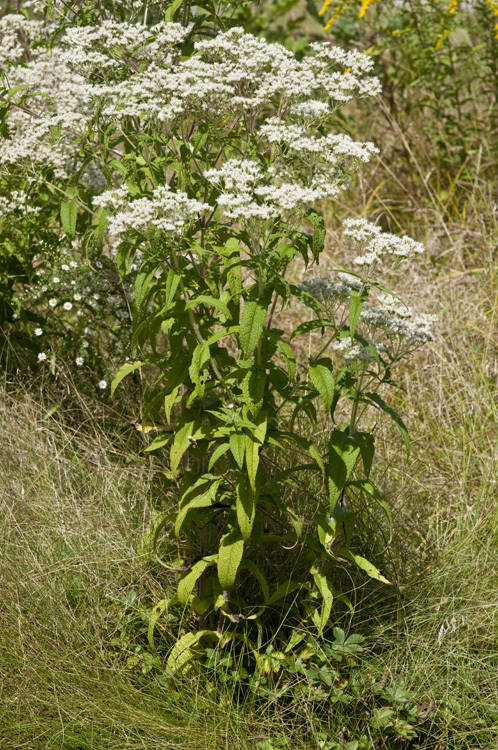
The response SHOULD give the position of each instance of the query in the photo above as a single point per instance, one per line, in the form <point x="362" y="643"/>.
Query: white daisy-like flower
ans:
<point x="67" y="305"/>
<point x="52" y="302"/>
<point x="65" y="267"/>
<point x="42" y="357"/>
<point x="79" y="361"/>
<point x="56" y="280"/>
<point x="80" y="313"/>
<point x="85" y="344"/>
<point x="102" y="384"/>
<point x="73" y="283"/>
<point x="38" y="331"/>
<point x="96" y="296"/>
<point x="73" y="264"/>
<point x="77" y="296"/>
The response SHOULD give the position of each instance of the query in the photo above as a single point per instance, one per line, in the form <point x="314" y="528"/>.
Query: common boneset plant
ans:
<point x="216" y="151"/>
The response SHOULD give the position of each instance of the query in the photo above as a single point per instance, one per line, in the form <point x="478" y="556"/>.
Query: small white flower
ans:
<point x="52" y="302"/>
<point x="38" y="331"/>
<point x="80" y="313"/>
<point x="56" y="280"/>
<point x="85" y="344"/>
<point x="42" y="357"/>
<point x="79" y="361"/>
<point x="67" y="305"/>
<point x="102" y="384"/>
<point x="77" y="297"/>
<point x="86" y="330"/>
<point x="96" y="296"/>
<point x="73" y="264"/>
<point x="73" y="283"/>
<point x="65" y="267"/>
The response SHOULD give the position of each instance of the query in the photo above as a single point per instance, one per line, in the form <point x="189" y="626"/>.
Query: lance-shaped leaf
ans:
<point x="201" y="495"/>
<point x="154" y="616"/>
<point x="322" y="617"/>
<point x="229" y="558"/>
<point x="318" y="240"/>
<point x="323" y="380"/>
<point x="376" y="399"/>
<point x="184" y="650"/>
<point x="207" y="301"/>
<point x="251" y="325"/>
<point x="356" y="302"/>
<point x="187" y="583"/>
<point x="253" y="568"/>
<point x="123" y="371"/>
<point x="181" y="443"/>
<point x="245" y="505"/>
<point x="144" y="280"/>
<point x="238" y="448"/>
<point x="343" y="453"/>
<point x="254" y="441"/>
<point x="284" y="590"/>
<point x="69" y="213"/>
<point x="217" y="453"/>
<point x="361" y="562"/>
<point x="199" y="358"/>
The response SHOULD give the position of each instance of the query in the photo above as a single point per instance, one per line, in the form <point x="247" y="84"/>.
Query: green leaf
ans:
<point x="343" y="453"/>
<point x="181" y="443"/>
<point x="171" y="10"/>
<point x="284" y="590"/>
<point x="311" y="325"/>
<point x="145" y="277"/>
<point x="253" y="568"/>
<point x="229" y="558"/>
<point x="200" y="356"/>
<point x="156" y="613"/>
<point x="361" y="562"/>
<point x="323" y="380"/>
<point x="253" y="390"/>
<point x="220" y="451"/>
<point x="187" y="583"/>
<point x="251" y="325"/>
<point x="69" y="212"/>
<point x="201" y="495"/>
<point x="123" y="371"/>
<point x="326" y="591"/>
<point x="254" y="441"/>
<point x="288" y="354"/>
<point x="394" y="416"/>
<point x="356" y="302"/>
<point x="203" y="299"/>
<point x="318" y="241"/>
<point x="238" y="448"/>
<point x="183" y="652"/>
<point x="169" y="401"/>
<point x="245" y="505"/>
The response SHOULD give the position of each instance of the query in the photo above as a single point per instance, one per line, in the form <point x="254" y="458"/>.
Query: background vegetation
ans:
<point x="78" y="494"/>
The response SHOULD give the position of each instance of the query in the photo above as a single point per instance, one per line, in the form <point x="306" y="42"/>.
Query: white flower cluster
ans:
<point x="390" y="326"/>
<point x="397" y="320"/>
<point x="17" y="33"/>
<point x="124" y="69"/>
<point x="357" y="352"/>
<point x="247" y="195"/>
<point x="376" y="243"/>
<point x="16" y="201"/>
<point x="166" y="210"/>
